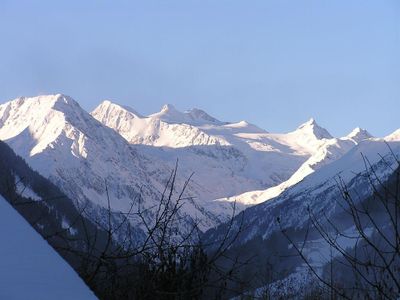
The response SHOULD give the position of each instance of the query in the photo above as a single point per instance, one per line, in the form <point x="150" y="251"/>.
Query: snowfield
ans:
<point x="259" y="166"/>
<point x="30" y="268"/>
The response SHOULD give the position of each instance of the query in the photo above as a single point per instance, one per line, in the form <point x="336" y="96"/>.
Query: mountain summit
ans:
<point x="193" y="116"/>
<point x="312" y="128"/>
<point x="201" y="116"/>
<point x="358" y="134"/>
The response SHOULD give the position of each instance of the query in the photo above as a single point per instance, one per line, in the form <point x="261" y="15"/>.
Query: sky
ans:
<point x="273" y="63"/>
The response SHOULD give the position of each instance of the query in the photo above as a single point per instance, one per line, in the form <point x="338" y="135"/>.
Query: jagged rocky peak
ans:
<point x="359" y="134"/>
<point x="312" y="127"/>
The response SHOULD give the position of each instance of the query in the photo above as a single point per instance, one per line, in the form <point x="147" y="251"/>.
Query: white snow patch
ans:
<point x="25" y="191"/>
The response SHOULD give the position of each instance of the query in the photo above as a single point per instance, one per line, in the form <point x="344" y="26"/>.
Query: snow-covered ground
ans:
<point x="30" y="268"/>
<point x="25" y="191"/>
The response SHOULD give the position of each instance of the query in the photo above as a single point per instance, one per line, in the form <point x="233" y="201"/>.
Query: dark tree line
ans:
<point x="168" y="263"/>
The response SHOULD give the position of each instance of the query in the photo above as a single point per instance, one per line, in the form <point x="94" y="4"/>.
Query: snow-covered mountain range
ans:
<point x="135" y="154"/>
<point x="269" y="175"/>
<point x="80" y="155"/>
<point x="238" y="160"/>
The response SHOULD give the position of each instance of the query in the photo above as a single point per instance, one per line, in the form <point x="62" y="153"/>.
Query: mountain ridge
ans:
<point x="76" y="152"/>
<point x="232" y="161"/>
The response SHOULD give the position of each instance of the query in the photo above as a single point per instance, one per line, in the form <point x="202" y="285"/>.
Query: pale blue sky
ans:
<point x="273" y="63"/>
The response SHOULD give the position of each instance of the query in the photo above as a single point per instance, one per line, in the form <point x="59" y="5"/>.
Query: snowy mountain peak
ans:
<point x="311" y="121"/>
<point x="169" y="114"/>
<point x="64" y="99"/>
<point x="194" y="116"/>
<point x="35" y="122"/>
<point x="395" y="136"/>
<point x="67" y="105"/>
<point x="244" y="127"/>
<point x="201" y="115"/>
<point x="311" y="127"/>
<point x="168" y="107"/>
<point x="27" y="111"/>
<point x="358" y="134"/>
<point x="59" y="99"/>
<point x="109" y="107"/>
<point x="43" y="100"/>
<point x="105" y="104"/>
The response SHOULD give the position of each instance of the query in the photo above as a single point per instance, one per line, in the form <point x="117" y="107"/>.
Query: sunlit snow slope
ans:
<point x="80" y="155"/>
<point x="237" y="161"/>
